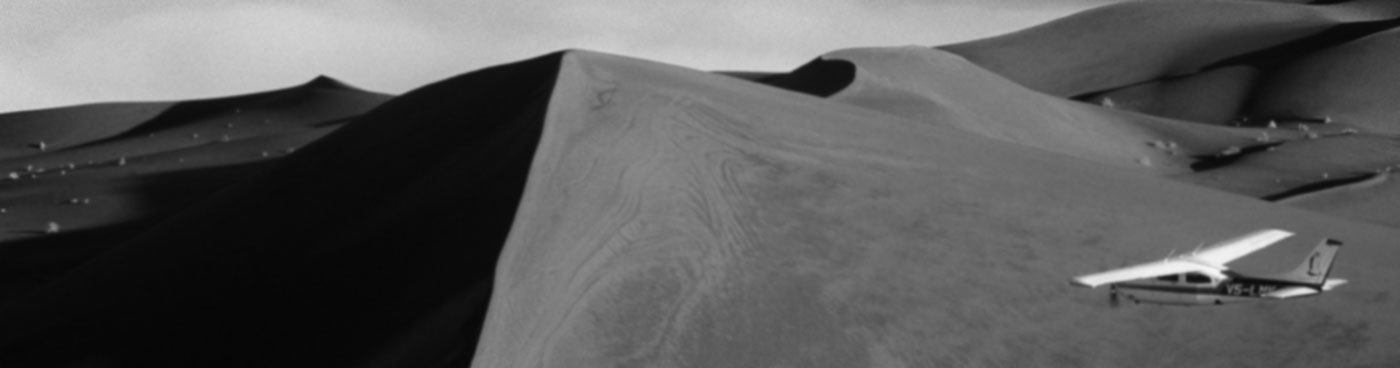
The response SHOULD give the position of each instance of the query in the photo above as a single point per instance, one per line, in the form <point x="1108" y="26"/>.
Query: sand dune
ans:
<point x="111" y="171"/>
<point x="731" y="226"/>
<point x="334" y="255"/>
<point x="1134" y="42"/>
<point x="60" y="128"/>
<point x="942" y="89"/>
<point x="1304" y="161"/>
<point x="1215" y="96"/>
<point x="1354" y="83"/>
<point x="1371" y="200"/>
<point x="883" y="206"/>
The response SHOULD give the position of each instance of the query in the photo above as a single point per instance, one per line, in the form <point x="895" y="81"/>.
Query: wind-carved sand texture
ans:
<point x="882" y="207"/>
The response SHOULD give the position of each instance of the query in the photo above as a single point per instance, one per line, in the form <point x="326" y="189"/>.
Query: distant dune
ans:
<point x="883" y="206"/>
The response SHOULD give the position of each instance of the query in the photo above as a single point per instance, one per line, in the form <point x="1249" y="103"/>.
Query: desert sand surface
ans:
<point x="902" y="206"/>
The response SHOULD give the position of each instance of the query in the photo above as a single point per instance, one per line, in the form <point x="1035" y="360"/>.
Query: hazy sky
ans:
<point x="62" y="52"/>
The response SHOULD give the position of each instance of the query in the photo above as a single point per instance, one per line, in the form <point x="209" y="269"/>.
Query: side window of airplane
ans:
<point x="1196" y="278"/>
<point x="1169" y="278"/>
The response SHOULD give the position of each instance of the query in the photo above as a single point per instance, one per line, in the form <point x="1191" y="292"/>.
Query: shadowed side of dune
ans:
<point x="28" y="264"/>
<point x="374" y="246"/>
<point x="29" y="258"/>
<point x="21" y="132"/>
<point x="821" y="77"/>
<point x="320" y="100"/>
<point x="98" y="185"/>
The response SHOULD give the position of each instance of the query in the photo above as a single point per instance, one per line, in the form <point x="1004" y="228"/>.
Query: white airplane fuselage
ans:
<point x="1194" y="289"/>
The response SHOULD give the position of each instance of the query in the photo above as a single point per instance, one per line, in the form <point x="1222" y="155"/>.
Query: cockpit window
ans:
<point x="1167" y="278"/>
<point x="1196" y="278"/>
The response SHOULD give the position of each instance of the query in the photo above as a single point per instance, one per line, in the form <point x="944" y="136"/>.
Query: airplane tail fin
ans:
<point x="1317" y="265"/>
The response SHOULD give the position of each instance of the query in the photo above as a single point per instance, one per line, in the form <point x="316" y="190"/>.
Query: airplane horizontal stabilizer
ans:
<point x="1291" y="292"/>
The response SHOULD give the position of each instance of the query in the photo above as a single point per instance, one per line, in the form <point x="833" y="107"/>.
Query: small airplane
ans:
<point x="1201" y="278"/>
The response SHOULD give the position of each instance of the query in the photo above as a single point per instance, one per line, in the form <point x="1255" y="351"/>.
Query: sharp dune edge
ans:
<point x="884" y="207"/>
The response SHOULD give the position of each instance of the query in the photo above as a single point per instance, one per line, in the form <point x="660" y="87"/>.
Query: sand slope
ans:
<point x="70" y="126"/>
<point x="1133" y="42"/>
<point x="369" y="247"/>
<point x="111" y="171"/>
<point x="1215" y="96"/>
<point x="674" y="218"/>
<point x="898" y="206"/>
<point x="943" y="89"/>
<point x="1373" y="200"/>
<point x="1354" y="83"/>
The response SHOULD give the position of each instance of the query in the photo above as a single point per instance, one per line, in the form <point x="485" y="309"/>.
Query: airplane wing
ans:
<point x="1142" y="271"/>
<point x="1230" y="250"/>
<point x="1208" y="261"/>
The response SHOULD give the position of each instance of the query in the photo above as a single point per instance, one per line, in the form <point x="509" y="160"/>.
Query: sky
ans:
<point x="67" y="52"/>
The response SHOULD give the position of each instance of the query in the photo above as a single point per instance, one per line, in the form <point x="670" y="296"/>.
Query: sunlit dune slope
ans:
<point x="1134" y="42"/>
<point x="1269" y="100"/>
<point x="1373" y="199"/>
<point x="939" y="88"/>
<point x="678" y="218"/>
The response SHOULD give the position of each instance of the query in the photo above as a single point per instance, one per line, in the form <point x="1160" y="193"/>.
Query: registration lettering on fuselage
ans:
<point x="1248" y="289"/>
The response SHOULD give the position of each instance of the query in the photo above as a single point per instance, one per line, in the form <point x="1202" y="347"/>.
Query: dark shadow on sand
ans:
<point x="821" y="77"/>
<point x="1318" y="186"/>
<point x="374" y="246"/>
<point x="47" y="256"/>
<point x="1210" y="162"/>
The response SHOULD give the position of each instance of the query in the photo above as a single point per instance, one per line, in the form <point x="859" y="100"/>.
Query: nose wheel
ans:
<point x="1113" y="296"/>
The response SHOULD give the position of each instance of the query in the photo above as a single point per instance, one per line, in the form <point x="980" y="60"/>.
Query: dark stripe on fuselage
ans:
<point x="1235" y="287"/>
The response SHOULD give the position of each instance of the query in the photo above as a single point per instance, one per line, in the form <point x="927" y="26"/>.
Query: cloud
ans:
<point x="736" y="34"/>
<point x="162" y="50"/>
<point x="182" y="53"/>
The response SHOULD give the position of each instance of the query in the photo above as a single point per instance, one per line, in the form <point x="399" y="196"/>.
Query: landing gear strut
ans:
<point x="1113" y="296"/>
